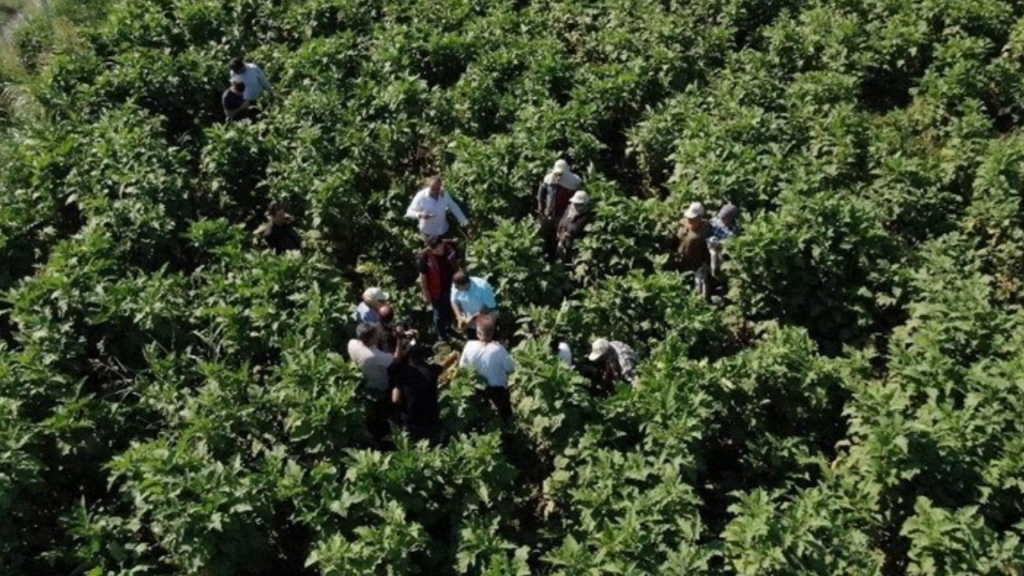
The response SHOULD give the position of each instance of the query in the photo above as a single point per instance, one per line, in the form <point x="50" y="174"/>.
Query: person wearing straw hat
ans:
<point x="694" y="254"/>
<point x="368" y="310"/>
<point x="616" y="360"/>
<point x="573" y="224"/>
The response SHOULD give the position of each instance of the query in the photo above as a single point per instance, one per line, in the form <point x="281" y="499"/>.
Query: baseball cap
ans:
<point x="599" y="348"/>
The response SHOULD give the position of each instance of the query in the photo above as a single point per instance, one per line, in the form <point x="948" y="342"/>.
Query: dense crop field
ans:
<point x="176" y="400"/>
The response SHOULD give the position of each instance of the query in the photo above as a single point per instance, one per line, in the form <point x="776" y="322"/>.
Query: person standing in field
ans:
<point x="437" y="265"/>
<point x="472" y="299"/>
<point x="553" y="196"/>
<point x="414" y="384"/>
<point x="694" y="254"/>
<point x="278" y="232"/>
<point x="723" y="228"/>
<point x="492" y="362"/>
<point x="573" y="224"/>
<point x="430" y="207"/>
<point x="373" y="363"/>
<point x="251" y="76"/>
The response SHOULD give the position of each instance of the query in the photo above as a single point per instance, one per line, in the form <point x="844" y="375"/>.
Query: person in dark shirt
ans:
<point x="573" y="224"/>
<point x="437" y="265"/>
<point x="236" y="107"/>
<point x="414" y="383"/>
<point x="277" y="232"/>
<point x="552" y="201"/>
<point x="391" y="331"/>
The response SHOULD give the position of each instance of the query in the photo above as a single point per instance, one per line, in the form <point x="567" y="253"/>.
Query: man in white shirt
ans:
<point x="251" y="75"/>
<point x="491" y="361"/>
<point x="431" y="206"/>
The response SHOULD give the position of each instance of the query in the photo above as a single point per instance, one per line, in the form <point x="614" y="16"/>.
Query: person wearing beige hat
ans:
<point x="616" y="360"/>
<point x="694" y="254"/>
<point x="368" y="311"/>
<point x="573" y="224"/>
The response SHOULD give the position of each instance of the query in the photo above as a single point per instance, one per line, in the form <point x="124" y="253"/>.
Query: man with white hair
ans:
<point x="616" y="360"/>
<point x="553" y="196"/>
<point x="368" y="311"/>
<point x="573" y="224"/>
<point x="430" y="207"/>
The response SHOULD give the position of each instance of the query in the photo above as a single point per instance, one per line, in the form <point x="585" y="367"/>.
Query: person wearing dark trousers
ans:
<point x="437" y="265"/>
<point x="414" y="384"/>
<point x="492" y="362"/>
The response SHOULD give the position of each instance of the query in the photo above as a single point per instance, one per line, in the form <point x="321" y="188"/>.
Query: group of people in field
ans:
<point x="399" y="371"/>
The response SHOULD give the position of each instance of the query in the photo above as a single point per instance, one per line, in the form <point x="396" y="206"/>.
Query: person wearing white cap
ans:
<point x="368" y="311"/>
<point x="616" y="360"/>
<point x="573" y="224"/>
<point x="694" y="254"/>
<point x="431" y="206"/>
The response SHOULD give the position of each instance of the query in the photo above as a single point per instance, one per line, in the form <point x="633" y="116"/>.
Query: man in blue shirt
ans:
<point x="472" y="298"/>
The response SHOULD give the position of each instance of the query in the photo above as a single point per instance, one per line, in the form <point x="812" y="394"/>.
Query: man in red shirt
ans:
<point x="437" y="264"/>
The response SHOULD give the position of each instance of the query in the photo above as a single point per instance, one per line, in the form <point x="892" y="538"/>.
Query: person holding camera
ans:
<point x="414" y="381"/>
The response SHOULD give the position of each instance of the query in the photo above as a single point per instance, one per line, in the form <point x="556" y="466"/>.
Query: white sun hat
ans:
<point x="696" y="210"/>
<point x="375" y="295"/>
<point x="599" y="348"/>
<point x="580" y="197"/>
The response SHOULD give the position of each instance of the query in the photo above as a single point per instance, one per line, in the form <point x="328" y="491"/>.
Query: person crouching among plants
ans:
<point x="472" y="300"/>
<point x="251" y="76"/>
<point x="278" y="232"/>
<point x="615" y="361"/>
<point x="553" y="196"/>
<point x="573" y="225"/>
<point x="236" y="107"/>
<point x="492" y="362"/>
<point x="693" y="254"/>
<point x="414" y="383"/>
<point x="368" y="309"/>
<point x="437" y="265"/>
